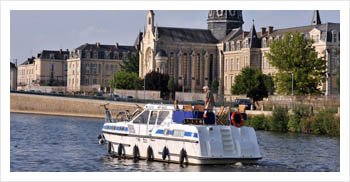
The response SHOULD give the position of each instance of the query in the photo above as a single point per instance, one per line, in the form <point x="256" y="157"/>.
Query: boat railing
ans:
<point x="120" y="115"/>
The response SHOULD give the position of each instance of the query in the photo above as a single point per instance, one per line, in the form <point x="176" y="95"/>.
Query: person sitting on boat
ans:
<point x="176" y="105"/>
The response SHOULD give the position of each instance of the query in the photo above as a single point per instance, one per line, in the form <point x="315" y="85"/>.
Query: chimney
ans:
<point x="67" y="50"/>
<point x="243" y="34"/>
<point x="270" y="30"/>
<point x="116" y="45"/>
<point x="60" y="51"/>
<point x="263" y="30"/>
<point x="97" y="44"/>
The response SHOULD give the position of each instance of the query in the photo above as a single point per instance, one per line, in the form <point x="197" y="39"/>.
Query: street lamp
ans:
<point x="292" y="87"/>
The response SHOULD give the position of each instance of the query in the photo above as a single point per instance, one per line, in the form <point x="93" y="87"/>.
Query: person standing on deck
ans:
<point x="209" y="99"/>
<point x="209" y="116"/>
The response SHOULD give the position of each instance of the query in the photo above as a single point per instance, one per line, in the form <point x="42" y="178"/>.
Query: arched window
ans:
<point x="198" y="68"/>
<point x="171" y="66"/>
<point x="184" y="68"/>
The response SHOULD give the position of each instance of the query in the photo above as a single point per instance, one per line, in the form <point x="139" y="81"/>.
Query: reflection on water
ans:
<point x="55" y="143"/>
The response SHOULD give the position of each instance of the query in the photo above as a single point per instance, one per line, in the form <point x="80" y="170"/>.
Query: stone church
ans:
<point x="195" y="57"/>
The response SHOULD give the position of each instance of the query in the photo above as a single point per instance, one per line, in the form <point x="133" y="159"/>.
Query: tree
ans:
<point x="269" y="83"/>
<point x="131" y="64"/>
<point x="214" y="86"/>
<point x="295" y="55"/>
<point x="157" y="81"/>
<point x="126" y="80"/>
<point x="171" y="86"/>
<point x="250" y="81"/>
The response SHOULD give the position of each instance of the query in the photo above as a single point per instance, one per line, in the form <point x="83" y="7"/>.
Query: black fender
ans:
<point x="183" y="156"/>
<point x="121" y="150"/>
<point x="165" y="153"/>
<point x="150" y="155"/>
<point x="136" y="153"/>
<point x="109" y="147"/>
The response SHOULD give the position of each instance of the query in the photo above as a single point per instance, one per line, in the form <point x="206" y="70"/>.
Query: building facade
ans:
<point x="195" y="57"/>
<point x="92" y="66"/>
<point x="191" y="56"/>
<point x="48" y="69"/>
<point x="13" y="77"/>
<point x="250" y="49"/>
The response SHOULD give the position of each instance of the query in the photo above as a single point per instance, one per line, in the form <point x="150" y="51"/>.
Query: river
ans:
<point x="54" y="144"/>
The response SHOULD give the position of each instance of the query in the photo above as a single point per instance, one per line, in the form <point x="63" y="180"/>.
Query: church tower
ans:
<point x="316" y="20"/>
<point x="221" y="22"/>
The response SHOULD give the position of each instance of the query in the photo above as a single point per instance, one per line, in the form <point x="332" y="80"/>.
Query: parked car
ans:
<point x="98" y="95"/>
<point x="245" y="102"/>
<point x="129" y="98"/>
<point x="31" y="91"/>
<point x="198" y="102"/>
<point x="53" y="92"/>
<point x="115" y="97"/>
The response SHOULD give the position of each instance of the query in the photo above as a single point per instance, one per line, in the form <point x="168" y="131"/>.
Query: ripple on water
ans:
<point x="52" y="143"/>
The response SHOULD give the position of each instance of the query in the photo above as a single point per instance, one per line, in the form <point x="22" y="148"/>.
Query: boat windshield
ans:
<point x="142" y="118"/>
<point x="162" y="116"/>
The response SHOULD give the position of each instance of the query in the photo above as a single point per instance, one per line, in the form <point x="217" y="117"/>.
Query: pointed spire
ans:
<point x="253" y="37"/>
<point x="316" y="20"/>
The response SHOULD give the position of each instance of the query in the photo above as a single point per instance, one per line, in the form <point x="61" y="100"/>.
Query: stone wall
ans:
<point x="38" y="104"/>
<point x="139" y="94"/>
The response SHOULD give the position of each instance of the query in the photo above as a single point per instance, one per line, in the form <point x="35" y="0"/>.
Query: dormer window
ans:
<point x="232" y="46"/>
<point x="264" y="43"/>
<point x="238" y="45"/>
<point x="52" y="56"/>
<point x="149" y="20"/>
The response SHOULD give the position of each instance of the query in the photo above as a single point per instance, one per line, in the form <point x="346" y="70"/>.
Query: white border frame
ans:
<point x="7" y="6"/>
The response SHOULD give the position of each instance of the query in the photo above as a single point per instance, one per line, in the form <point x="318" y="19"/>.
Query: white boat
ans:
<point x="154" y="135"/>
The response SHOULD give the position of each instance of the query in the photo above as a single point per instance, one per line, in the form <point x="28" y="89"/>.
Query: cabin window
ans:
<point x="142" y="119"/>
<point x="162" y="116"/>
<point x="152" y="119"/>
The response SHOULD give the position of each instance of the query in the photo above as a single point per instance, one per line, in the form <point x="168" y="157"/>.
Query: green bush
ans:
<point x="259" y="122"/>
<point x="325" y="122"/>
<point x="279" y="119"/>
<point x="300" y="113"/>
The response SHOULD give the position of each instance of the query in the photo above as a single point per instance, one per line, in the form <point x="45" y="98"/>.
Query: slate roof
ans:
<point x="234" y="33"/>
<point x="28" y="61"/>
<point x="103" y="47"/>
<point x="327" y="27"/>
<point x="171" y="34"/>
<point x="45" y="54"/>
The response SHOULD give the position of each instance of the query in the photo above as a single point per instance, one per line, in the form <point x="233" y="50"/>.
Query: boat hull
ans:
<point x="207" y="144"/>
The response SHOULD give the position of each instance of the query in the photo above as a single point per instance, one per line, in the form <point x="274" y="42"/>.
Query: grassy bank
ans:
<point x="302" y="119"/>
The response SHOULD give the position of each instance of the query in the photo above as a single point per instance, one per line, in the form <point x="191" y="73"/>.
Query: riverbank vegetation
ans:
<point x="301" y="119"/>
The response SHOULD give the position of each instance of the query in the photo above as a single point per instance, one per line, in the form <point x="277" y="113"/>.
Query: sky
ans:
<point x="34" y="31"/>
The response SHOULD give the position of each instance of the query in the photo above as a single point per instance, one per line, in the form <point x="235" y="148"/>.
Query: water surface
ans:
<point x="56" y="143"/>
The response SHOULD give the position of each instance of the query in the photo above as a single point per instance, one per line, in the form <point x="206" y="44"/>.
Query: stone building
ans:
<point x="191" y="56"/>
<point x="13" y="77"/>
<point x="250" y="49"/>
<point x="48" y="69"/>
<point x="92" y="66"/>
<point x="195" y="57"/>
